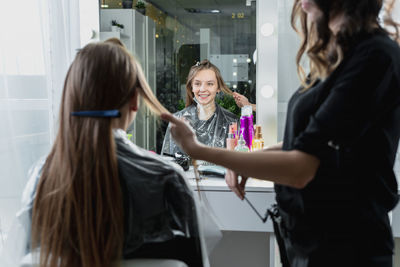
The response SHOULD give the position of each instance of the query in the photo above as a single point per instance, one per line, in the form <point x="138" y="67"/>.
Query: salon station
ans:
<point x="227" y="67"/>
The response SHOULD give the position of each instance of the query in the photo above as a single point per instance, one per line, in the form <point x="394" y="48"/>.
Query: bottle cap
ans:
<point x="246" y="110"/>
<point x="231" y="129"/>
<point x="258" y="133"/>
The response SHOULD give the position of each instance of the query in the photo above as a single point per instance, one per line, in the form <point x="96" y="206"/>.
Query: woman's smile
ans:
<point x="205" y="87"/>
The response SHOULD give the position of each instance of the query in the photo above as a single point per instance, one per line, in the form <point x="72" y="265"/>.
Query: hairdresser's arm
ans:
<point x="232" y="179"/>
<point x="293" y="168"/>
<point x="241" y="101"/>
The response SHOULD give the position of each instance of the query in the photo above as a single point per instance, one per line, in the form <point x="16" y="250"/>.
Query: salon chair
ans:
<point x="27" y="262"/>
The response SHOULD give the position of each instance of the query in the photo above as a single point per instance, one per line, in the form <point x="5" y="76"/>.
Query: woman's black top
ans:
<point x="351" y="123"/>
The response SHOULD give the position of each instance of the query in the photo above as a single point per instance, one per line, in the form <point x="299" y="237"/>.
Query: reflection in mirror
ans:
<point x="209" y="120"/>
<point x="186" y="32"/>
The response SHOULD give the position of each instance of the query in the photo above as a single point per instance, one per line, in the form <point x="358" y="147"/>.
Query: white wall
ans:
<point x="288" y="44"/>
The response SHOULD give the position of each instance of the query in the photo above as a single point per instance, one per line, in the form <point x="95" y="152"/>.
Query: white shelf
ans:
<point x="107" y="35"/>
<point x="125" y="36"/>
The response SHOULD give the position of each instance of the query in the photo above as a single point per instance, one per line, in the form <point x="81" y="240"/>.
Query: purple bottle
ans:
<point x="246" y="125"/>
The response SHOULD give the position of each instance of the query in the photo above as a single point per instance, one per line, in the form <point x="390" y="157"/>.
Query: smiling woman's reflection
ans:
<point x="209" y="120"/>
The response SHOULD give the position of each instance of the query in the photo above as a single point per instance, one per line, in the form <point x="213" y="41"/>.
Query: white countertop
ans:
<point x="235" y="215"/>
<point x="219" y="184"/>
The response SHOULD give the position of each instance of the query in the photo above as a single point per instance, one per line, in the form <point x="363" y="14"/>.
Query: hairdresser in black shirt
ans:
<point x="333" y="172"/>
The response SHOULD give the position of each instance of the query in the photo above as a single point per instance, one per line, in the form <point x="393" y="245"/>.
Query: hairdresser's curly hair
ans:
<point x="324" y="49"/>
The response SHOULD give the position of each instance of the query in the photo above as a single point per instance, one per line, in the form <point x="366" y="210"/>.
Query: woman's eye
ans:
<point x="210" y="84"/>
<point x="196" y="84"/>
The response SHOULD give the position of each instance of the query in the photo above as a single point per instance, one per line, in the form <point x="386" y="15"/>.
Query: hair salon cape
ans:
<point x="145" y="175"/>
<point x="212" y="132"/>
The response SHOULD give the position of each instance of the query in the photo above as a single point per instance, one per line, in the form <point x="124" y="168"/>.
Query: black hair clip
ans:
<point x="114" y="113"/>
<point x="197" y="63"/>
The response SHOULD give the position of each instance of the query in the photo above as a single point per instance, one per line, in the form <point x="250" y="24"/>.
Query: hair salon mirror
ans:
<point x="169" y="37"/>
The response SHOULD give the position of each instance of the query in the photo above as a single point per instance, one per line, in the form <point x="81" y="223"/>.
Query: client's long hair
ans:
<point x="77" y="215"/>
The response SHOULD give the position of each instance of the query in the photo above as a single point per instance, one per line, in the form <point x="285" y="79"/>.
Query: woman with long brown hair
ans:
<point x="98" y="198"/>
<point x="333" y="172"/>
<point x="209" y="120"/>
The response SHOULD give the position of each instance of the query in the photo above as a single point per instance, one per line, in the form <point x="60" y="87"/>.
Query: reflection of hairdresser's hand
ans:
<point x="240" y="100"/>
<point x="232" y="181"/>
<point x="182" y="134"/>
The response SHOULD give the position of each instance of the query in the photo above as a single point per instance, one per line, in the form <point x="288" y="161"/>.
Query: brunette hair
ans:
<point x="204" y="65"/>
<point x="114" y="40"/>
<point x="325" y="50"/>
<point x="77" y="217"/>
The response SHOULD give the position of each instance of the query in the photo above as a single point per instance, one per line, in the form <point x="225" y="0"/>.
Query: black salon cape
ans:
<point x="159" y="210"/>
<point x="160" y="219"/>
<point x="351" y="123"/>
<point x="212" y="132"/>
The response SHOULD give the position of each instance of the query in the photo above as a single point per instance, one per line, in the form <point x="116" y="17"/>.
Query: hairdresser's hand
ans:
<point x="232" y="180"/>
<point x="183" y="135"/>
<point x="240" y="100"/>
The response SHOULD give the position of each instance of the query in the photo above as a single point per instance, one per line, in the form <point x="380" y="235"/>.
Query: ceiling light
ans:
<point x="203" y="11"/>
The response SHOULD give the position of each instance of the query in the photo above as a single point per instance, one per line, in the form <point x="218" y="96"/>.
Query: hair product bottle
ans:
<point x="242" y="147"/>
<point x="231" y="141"/>
<point x="246" y="125"/>
<point x="233" y="129"/>
<point x="258" y="141"/>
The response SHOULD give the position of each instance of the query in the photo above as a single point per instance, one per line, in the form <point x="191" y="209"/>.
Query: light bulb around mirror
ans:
<point x="267" y="91"/>
<point x="267" y="29"/>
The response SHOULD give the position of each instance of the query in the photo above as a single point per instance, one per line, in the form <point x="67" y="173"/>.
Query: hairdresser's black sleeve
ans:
<point x="359" y="93"/>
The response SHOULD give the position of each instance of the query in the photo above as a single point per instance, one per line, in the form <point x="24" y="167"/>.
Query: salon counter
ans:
<point x="247" y="241"/>
<point x="232" y="213"/>
<point x="236" y="217"/>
